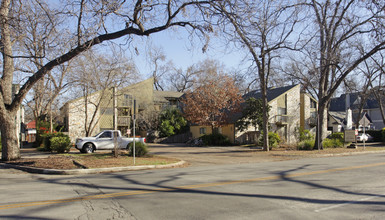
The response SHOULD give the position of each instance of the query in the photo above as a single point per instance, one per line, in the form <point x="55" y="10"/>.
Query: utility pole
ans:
<point x="134" y="118"/>
<point x="115" y="111"/>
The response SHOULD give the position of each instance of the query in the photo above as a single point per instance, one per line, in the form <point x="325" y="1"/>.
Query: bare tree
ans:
<point x="93" y="78"/>
<point x="182" y="80"/>
<point x="96" y="22"/>
<point x="377" y="87"/>
<point x="46" y="92"/>
<point x="362" y="83"/>
<point x="263" y="28"/>
<point x="332" y="37"/>
<point x="195" y="75"/>
<point x="160" y="67"/>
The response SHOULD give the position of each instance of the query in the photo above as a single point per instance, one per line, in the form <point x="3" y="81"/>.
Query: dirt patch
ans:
<point x="85" y="161"/>
<point x="51" y="162"/>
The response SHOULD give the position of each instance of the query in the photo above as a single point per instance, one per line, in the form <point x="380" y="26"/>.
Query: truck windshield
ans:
<point x="98" y="133"/>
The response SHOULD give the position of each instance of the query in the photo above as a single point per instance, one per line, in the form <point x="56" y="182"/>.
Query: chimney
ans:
<point x="349" y="119"/>
<point x="347" y="101"/>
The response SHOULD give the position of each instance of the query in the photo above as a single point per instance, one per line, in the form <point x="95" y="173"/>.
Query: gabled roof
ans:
<point x="272" y="93"/>
<point x="339" y="104"/>
<point x="31" y="125"/>
<point x="138" y="84"/>
<point x="162" y="96"/>
<point x="340" y="117"/>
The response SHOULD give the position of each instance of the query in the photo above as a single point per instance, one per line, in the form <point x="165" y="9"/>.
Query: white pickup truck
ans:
<point x="104" y="141"/>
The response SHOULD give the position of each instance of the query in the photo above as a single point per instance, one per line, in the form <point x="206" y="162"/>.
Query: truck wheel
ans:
<point x="88" y="148"/>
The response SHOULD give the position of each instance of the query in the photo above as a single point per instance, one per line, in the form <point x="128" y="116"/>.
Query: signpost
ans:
<point x="364" y="122"/>
<point x="350" y="136"/>
<point x="134" y="117"/>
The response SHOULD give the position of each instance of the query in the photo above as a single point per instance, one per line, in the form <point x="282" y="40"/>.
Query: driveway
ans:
<point x="201" y="156"/>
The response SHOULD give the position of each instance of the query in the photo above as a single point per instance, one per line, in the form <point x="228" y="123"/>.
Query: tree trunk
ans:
<point x="321" y="126"/>
<point x="9" y="137"/>
<point x="265" y="115"/>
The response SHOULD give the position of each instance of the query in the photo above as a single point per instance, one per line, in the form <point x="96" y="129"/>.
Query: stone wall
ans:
<point x="76" y="116"/>
<point x="293" y="111"/>
<point x="287" y="131"/>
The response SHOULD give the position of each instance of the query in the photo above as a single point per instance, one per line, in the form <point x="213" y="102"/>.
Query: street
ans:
<point x="349" y="187"/>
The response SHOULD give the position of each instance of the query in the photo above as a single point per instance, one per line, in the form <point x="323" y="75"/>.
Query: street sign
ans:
<point x="350" y="136"/>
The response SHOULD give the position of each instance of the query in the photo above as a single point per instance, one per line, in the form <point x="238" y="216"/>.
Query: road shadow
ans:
<point x="137" y="181"/>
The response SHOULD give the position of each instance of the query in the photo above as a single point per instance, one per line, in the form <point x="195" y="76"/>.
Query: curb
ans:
<point x="90" y="171"/>
<point x="353" y="153"/>
<point x="336" y="154"/>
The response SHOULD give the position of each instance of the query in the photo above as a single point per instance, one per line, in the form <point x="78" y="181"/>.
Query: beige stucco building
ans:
<point x="96" y="112"/>
<point x="289" y="110"/>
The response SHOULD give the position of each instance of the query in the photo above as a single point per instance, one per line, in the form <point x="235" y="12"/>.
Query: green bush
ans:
<point x="215" y="139"/>
<point x="140" y="149"/>
<point x="305" y="135"/>
<point x="171" y="122"/>
<point x="274" y="140"/>
<point x="337" y="135"/>
<point x="47" y="140"/>
<point x="332" y="143"/>
<point x="306" y="145"/>
<point x="60" y="144"/>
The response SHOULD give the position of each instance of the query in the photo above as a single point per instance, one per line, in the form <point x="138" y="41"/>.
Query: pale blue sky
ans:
<point x="177" y="48"/>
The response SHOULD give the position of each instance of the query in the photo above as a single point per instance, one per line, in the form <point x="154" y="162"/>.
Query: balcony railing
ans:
<point x="281" y="119"/>
<point x="312" y="121"/>
<point x="124" y="120"/>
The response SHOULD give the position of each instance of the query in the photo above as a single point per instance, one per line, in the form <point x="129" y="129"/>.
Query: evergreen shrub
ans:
<point x="141" y="149"/>
<point x="60" y="144"/>
<point x="274" y="140"/>
<point x="332" y="143"/>
<point x="215" y="139"/>
<point x="306" y="144"/>
<point x="47" y="140"/>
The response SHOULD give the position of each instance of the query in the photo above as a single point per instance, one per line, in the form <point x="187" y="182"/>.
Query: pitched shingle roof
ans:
<point x="339" y="104"/>
<point x="272" y="93"/>
<point x="162" y="96"/>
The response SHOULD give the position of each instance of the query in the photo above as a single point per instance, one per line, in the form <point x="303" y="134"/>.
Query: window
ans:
<point x="281" y="111"/>
<point x="106" y="134"/>
<point x="313" y="114"/>
<point x="218" y="130"/>
<point x="313" y="104"/>
<point x="202" y="130"/>
<point x="127" y="100"/>
<point x="107" y="111"/>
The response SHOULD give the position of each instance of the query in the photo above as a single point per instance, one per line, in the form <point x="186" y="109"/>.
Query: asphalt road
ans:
<point x="350" y="187"/>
